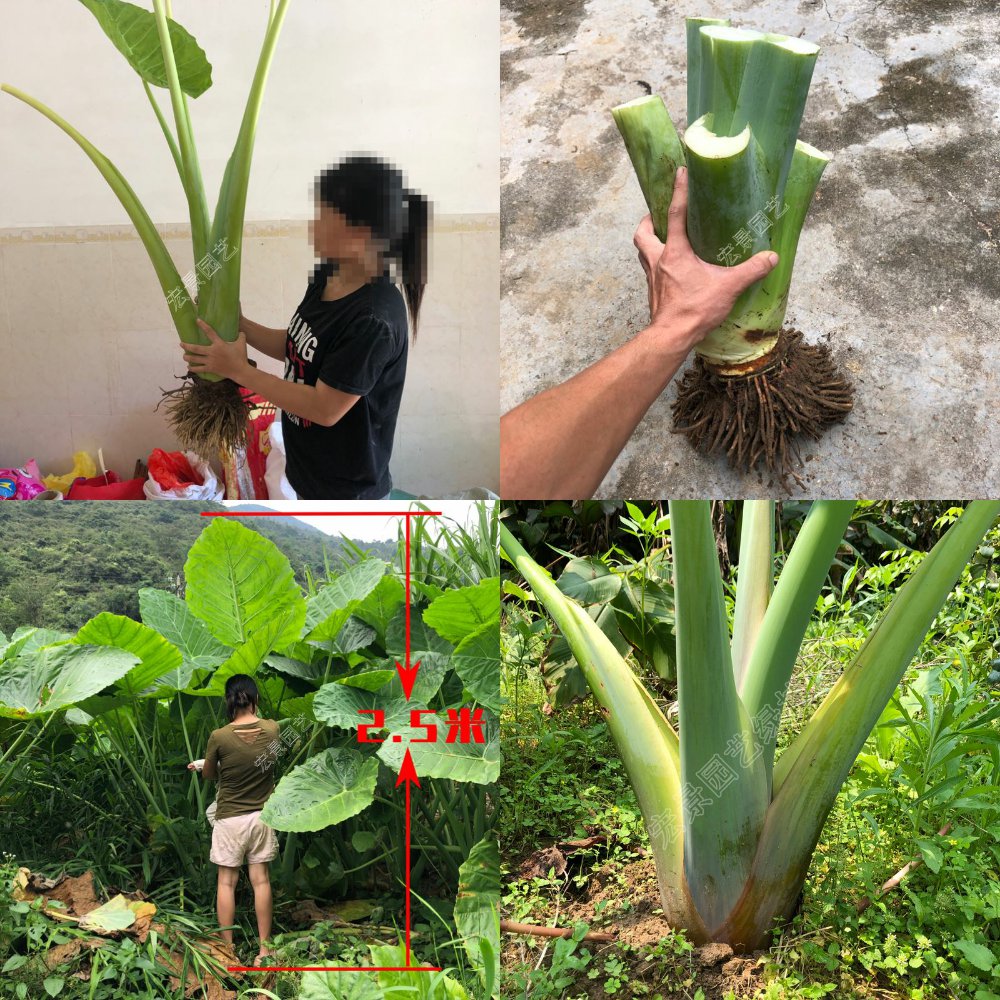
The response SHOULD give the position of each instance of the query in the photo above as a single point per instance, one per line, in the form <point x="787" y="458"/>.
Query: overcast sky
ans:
<point x="368" y="528"/>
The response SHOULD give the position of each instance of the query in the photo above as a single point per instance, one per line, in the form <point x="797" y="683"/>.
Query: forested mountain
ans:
<point x="63" y="563"/>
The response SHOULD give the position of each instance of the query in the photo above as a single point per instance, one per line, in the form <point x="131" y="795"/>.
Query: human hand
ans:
<point x="687" y="294"/>
<point x="220" y="357"/>
<point x="196" y="765"/>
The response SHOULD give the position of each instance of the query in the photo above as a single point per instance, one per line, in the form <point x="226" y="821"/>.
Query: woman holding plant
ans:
<point x="345" y="348"/>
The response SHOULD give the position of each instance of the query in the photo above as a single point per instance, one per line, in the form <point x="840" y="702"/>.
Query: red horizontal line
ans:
<point x="322" y="513"/>
<point x="331" y="968"/>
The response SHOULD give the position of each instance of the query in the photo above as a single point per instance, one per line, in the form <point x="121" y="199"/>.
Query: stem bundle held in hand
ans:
<point x="754" y="387"/>
<point x="207" y="413"/>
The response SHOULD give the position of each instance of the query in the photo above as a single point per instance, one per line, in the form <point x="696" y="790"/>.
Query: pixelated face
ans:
<point x="334" y="238"/>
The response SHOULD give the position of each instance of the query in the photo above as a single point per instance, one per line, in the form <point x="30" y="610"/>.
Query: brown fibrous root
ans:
<point x="758" y="419"/>
<point x="210" y="418"/>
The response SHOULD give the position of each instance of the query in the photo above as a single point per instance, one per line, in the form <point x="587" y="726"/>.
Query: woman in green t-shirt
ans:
<point x="241" y="758"/>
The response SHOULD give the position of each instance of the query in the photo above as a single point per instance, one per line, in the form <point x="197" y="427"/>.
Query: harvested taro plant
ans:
<point x="732" y="828"/>
<point x="207" y="413"/>
<point x="754" y="387"/>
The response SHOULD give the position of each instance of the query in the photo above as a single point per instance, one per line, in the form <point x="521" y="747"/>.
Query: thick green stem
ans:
<point x="765" y="309"/>
<point x="182" y="309"/>
<point x="787" y="617"/>
<point x="220" y="303"/>
<point x="697" y="94"/>
<point x="167" y="134"/>
<point x="655" y="151"/>
<point x="647" y="743"/>
<point x="772" y="99"/>
<point x="191" y="176"/>
<point x="725" y="793"/>
<point x="726" y="181"/>
<point x="751" y="330"/>
<point x="755" y="580"/>
<point x="725" y="53"/>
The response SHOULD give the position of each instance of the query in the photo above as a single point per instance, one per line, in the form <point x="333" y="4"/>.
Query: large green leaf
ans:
<point x="426" y="646"/>
<point x="589" y="581"/>
<point x="379" y="607"/>
<point x="460" y="612"/>
<point x="173" y="619"/>
<point x="563" y="678"/>
<point x="299" y="710"/>
<point x="27" y="639"/>
<point x="412" y="985"/>
<point x="370" y="680"/>
<point x="158" y="656"/>
<point x="38" y="683"/>
<point x="295" y="668"/>
<point x="475" y="762"/>
<point x="333" y="604"/>
<point x="327" y="789"/>
<point x="978" y="954"/>
<point x="477" y="661"/>
<point x="477" y="907"/>
<point x="249" y="655"/>
<point x="339" y="986"/>
<point x="133" y="32"/>
<point x="341" y="705"/>
<point x="354" y="635"/>
<point x="238" y="582"/>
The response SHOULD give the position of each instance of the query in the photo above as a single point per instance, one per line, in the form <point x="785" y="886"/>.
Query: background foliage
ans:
<point x="59" y="571"/>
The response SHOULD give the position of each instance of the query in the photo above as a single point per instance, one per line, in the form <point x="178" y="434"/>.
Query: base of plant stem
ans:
<point x="210" y="418"/>
<point x="757" y="419"/>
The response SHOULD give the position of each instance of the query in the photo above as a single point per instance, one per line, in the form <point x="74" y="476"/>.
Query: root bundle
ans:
<point x="758" y="419"/>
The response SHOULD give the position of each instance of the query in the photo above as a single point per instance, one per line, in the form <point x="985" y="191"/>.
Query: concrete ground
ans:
<point x="898" y="267"/>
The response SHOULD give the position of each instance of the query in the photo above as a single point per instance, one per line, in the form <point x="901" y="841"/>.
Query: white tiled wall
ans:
<point x="86" y="345"/>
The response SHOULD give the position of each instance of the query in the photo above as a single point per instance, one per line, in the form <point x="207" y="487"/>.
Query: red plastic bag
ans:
<point x="106" y="487"/>
<point x="172" y="470"/>
<point x="243" y="471"/>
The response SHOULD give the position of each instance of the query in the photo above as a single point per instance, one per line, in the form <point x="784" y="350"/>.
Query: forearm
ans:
<point x="302" y="400"/>
<point x="562" y="442"/>
<point x="264" y="338"/>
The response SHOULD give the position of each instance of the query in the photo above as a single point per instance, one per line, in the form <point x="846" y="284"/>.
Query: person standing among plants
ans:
<point x="238" y="757"/>
<point x="345" y="348"/>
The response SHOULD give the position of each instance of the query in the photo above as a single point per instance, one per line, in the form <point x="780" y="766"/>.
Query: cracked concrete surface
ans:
<point x="898" y="266"/>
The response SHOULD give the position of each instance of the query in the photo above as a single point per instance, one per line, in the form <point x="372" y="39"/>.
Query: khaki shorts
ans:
<point x="242" y="836"/>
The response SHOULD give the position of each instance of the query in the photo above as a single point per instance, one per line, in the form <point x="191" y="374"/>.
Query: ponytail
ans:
<point x="413" y="252"/>
<point x="369" y="192"/>
<point x="241" y="693"/>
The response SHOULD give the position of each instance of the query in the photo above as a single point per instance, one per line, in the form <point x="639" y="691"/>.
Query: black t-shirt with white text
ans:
<point x="357" y="344"/>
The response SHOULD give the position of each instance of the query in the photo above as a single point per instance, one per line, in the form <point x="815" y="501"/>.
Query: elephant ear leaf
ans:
<point x="38" y="683"/>
<point x="332" y="786"/>
<point x="133" y="32"/>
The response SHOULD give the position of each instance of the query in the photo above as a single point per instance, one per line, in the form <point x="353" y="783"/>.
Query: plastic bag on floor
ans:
<point x="179" y="475"/>
<point x="83" y="468"/>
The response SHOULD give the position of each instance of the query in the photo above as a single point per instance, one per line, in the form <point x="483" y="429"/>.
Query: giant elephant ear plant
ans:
<point x="732" y="830"/>
<point x="321" y="660"/>
<point x="754" y="387"/>
<point x="207" y="413"/>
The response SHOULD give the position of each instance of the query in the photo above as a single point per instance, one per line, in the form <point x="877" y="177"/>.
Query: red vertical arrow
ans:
<point x="407" y="674"/>
<point x="407" y="776"/>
